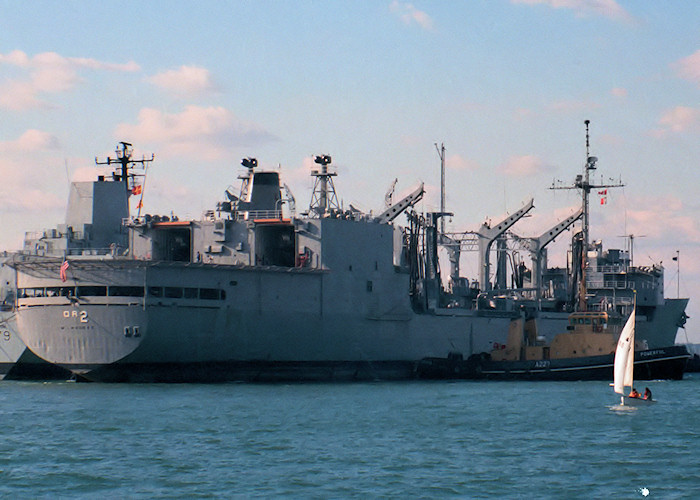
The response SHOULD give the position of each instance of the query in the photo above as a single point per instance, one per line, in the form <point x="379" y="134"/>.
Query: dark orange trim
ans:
<point x="172" y="223"/>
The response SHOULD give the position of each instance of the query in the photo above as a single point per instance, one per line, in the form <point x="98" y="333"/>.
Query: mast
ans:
<point x="590" y="165"/>
<point x="323" y="198"/>
<point x="583" y="182"/>
<point x="441" y="154"/>
<point x="124" y="152"/>
<point x="677" y="258"/>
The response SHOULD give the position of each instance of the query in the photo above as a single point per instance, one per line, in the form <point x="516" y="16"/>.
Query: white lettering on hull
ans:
<point x="81" y="316"/>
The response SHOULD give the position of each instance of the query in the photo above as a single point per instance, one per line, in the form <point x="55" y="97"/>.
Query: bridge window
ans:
<point x="92" y="291"/>
<point x="209" y="293"/>
<point x="60" y="291"/>
<point x="125" y="291"/>
<point x="173" y="292"/>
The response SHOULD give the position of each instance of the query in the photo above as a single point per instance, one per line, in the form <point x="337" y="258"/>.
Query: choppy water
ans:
<point x="409" y="440"/>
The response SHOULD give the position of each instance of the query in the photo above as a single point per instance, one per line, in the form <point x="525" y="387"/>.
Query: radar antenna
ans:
<point x="292" y="202"/>
<point x="389" y="196"/>
<point x="323" y="198"/>
<point x="250" y="164"/>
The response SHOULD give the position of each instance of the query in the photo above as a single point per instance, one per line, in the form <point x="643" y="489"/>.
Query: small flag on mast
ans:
<point x="137" y="190"/>
<point x="62" y="272"/>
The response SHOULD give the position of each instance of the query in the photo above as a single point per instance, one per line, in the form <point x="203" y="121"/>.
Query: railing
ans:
<point x="74" y="252"/>
<point x="52" y="234"/>
<point x="258" y="214"/>
<point x="616" y="268"/>
<point x="113" y="251"/>
<point x="610" y="302"/>
<point x="616" y="284"/>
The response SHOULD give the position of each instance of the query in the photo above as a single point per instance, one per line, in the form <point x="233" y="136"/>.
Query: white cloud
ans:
<point x="583" y="8"/>
<point x="15" y="58"/>
<point x="18" y="96"/>
<point x="523" y="166"/>
<point x="185" y="81"/>
<point x="457" y="162"/>
<point x="31" y="140"/>
<point x="689" y="67"/>
<point x="28" y="200"/>
<point x="539" y="221"/>
<point x="619" y="92"/>
<point x="28" y="185"/>
<point x="663" y="218"/>
<point x="678" y="120"/>
<point x="523" y="114"/>
<point x="48" y="73"/>
<point x="208" y="133"/>
<point x="409" y="15"/>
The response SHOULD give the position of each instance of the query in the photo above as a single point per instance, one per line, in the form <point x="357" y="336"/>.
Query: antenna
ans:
<point x="630" y="244"/>
<point x="677" y="258"/>
<point x="124" y="153"/>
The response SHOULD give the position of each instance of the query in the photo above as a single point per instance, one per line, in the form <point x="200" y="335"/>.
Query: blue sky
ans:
<point x="506" y="85"/>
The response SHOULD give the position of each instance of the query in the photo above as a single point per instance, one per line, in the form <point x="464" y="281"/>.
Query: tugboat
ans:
<point x="585" y="352"/>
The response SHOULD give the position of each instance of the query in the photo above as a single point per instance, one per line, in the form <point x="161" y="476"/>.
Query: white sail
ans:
<point x="624" y="357"/>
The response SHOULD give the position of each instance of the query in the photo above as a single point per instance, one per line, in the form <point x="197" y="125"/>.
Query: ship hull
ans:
<point x="663" y="363"/>
<point x="248" y="371"/>
<point x="182" y="344"/>
<point x="16" y="361"/>
<point x="270" y="324"/>
<point x="261" y="323"/>
<point x="11" y="345"/>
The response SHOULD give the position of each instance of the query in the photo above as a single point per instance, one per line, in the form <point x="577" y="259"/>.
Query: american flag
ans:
<point x="64" y="268"/>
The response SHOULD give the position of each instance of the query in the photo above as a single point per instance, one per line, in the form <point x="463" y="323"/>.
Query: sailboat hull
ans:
<point x="653" y="364"/>
<point x="628" y="401"/>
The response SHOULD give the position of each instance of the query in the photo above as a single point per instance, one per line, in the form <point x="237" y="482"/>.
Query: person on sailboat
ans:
<point x="647" y="393"/>
<point x="634" y="393"/>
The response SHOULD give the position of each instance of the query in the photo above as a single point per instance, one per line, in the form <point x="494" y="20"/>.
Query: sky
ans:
<point x="505" y="84"/>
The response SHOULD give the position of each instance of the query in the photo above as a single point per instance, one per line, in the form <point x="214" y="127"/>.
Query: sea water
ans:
<point x="391" y="440"/>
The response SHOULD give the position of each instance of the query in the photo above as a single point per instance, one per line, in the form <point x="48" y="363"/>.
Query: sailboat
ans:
<point x="623" y="370"/>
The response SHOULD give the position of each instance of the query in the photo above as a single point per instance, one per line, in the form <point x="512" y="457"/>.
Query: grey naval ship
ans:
<point x="252" y="292"/>
<point x="16" y="361"/>
<point x="11" y="346"/>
